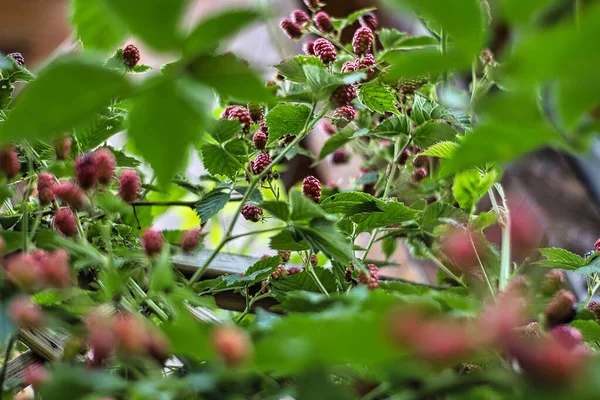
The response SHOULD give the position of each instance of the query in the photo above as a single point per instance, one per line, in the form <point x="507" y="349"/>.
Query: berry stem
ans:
<point x="9" y="346"/>
<point x="249" y="303"/>
<point x="441" y="266"/>
<point x="505" y="225"/>
<point x="190" y="204"/>
<point x="257" y="232"/>
<point x="134" y="287"/>
<point x="313" y="275"/>
<point x="485" y="275"/>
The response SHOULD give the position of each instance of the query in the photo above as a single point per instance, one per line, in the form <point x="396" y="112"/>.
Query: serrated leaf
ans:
<point x="103" y="126"/>
<point x="351" y="203"/>
<point x="286" y="119"/>
<point x="592" y="266"/>
<point x="224" y="129"/>
<point x="278" y="209"/>
<point x="322" y="236"/>
<point x="292" y="68"/>
<point x="266" y="263"/>
<point x="469" y="186"/>
<point x="123" y="160"/>
<point x="96" y="25"/>
<point x="227" y="160"/>
<point x="424" y="110"/>
<point x="303" y="208"/>
<point x="438" y="210"/>
<point x="288" y="240"/>
<point x="415" y="42"/>
<point x="393" y="126"/>
<point x="321" y="82"/>
<point x="335" y="142"/>
<point x="378" y="98"/>
<point x="444" y="149"/>
<point x="432" y="132"/>
<point x="560" y="258"/>
<point x="304" y="282"/>
<point x="6" y="92"/>
<point x="211" y="204"/>
<point x="392" y="213"/>
<point x="389" y="37"/>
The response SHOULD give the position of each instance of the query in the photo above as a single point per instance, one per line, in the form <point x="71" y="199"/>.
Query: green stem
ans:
<point x="253" y="183"/>
<point x="505" y="251"/>
<point x="441" y="266"/>
<point x="256" y="232"/>
<point x="149" y="302"/>
<point x="36" y="224"/>
<point x="190" y="204"/>
<point x="7" y="351"/>
<point x="318" y="282"/>
<point x="592" y="292"/>
<point x="485" y="275"/>
<point x="249" y="305"/>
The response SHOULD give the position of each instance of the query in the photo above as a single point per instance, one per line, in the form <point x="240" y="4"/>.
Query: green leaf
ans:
<point x="335" y="142"/>
<point x="389" y="246"/>
<point x="351" y="203"/>
<point x="392" y="213"/>
<point x="154" y="22"/>
<point x="286" y="119"/>
<point x="123" y="160"/>
<point x="6" y="91"/>
<point x="163" y="108"/>
<point x="304" y="282"/>
<point x="426" y="110"/>
<point x="469" y="186"/>
<point x="278" y="209"/>
<point x="7" y="327"/>
<point x="589" y="329"/>
<point x="67" y="92"/>
<point x="224" y="129"/>
<point x="432" y="132"/>
<point x="560" y="258"/>
<point x="322" y="236"/>
<point x="287" y="239"/>
<point x="215" y="28"/>
<point x="321" y="82"/>
<point x="393" y="126"/>
<point x="303" y="208"/>
<point x="292" y="68"/>
<point x="141" y="69"/>
<point x="485" y="219"/>
<point x="112" y="204"/>
<point x="189" y="337"/>
<point x="389" y="37"/>
<point x="444" y="149"/>
<point x="211" y="204"/>
<point x="162" y="277"/>
<point x="103" y="126"/>
<point x="378" y="98"/>
<point x="230" y="77"/>
<point x="96" y="25"/>
<point x="413" y="42"/>
<point x="255" y="196"/>
<point x="227" y="160"/>
<point x="520" y="12"/>
<point x="592" y="265"/>
<point x="417" y="62"/>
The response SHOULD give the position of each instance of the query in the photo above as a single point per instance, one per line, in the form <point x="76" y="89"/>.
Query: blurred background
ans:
<point x="568" y="218"/>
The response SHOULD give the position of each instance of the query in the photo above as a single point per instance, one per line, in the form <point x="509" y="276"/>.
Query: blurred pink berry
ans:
<point x="55" y="269"/>
<point x="65" y="222"/>
<point x="9" y="162"/>
<point x="314" y="260"/>
<point x="25" y="314"/>
<point x="86" y="171"/>
<point x="300" y="17"/>
<point x="369" y="20"/>
<point x="457" y="246"/>
<point x="45" y="187"/>
<point x="419" y="174"/>
<point x="368" y="61"/>
<point x="311" y="188"/>
<point x="279" y="273"/>
<point x="340" y="156"/>
<point x="313" y="4"/>
<point x="190" y="240"/>
<point x="153" y="242"/>
<point x="71" y="194"/>
<point x="372" y="279"/>
<point x="106" y="164"/>
<point x="285" y="255"/>
<point x="560" y="308"/>
<point x="325" y="50"/>
<point x="328" y="127"/>
<point x="294" y="270"/>
<point x="23" y="270"/>
<point x="131" y="55"/>
<point x="567" y="336"/>
<point x="231" y="344"/>
<point x="130" y="185"/>
<point x="131" y="334"/>
<point x="309" y="48"/>
<point x="323" y="22"/>
<point x="344" y="115"/>
<point x="554" y="280"/>
<point x="62" y="147"/>
<point x="36" y="375"/>
<point x="343" y="95"/>
<point x="290" y="28"/>
<point x="595" y="308"/>
<point x="349" y="66"/>
<point x="252" y="213"/>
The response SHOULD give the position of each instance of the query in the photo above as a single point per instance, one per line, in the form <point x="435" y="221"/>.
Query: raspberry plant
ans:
<point x="434" y="119"/>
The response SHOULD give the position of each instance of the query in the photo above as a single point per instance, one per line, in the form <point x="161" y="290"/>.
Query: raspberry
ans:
<point x="9" y="162"/>
<point x="597" y="245"/>
<point x="190" y="240"/>
<point x="242" y="115"/>
<point x="419" y="161"/>
<point x="65" y="222"/>
<point x="294" y="270"/>
<point x="362" y="40"/>
<point x="55" y="270"/>
<point x="45" y="187"/>
<point x="36" y="375"/>
<point x="457" y="247"/>
<point x="595" y="308"/>
<point x="280" y="272"/>
<point x="328" y="127"/>
<point x="311" y="188"/>
<point x="314" y="261"/>
<point x="343" y="95"/>
<point x="105" y="165"/>
<point x="260" y="163"/>
<point x="86" y="171"/>
<point x="553" y="281"/>
<point x="131" y="334"/>
<point x="70" y="194"/>
<point x="62" y="147"/>
<point x="367" y="61"/>
<point x="25" y="314"/>
<point x="323" y="22"/>
<point x="130" y="185"/>
<point x="300" y="17"/>
<point x="325" y="50"/>
<point x="340" y="156"/>
<point x="131" y="55"/>
<point x="231" y="344"/>
<point x="290" y="28"/>
<point x="152" y="241"/>
<point x="369" y="20"/>
<point x="227" y="110"/>
<point x="309" y="48"/>
<point x="285" y="255"/>
<point x="260" y="140"/>
<point x="101" y="337"/>
<point x="419" y="174"/>
<point x="252" y="213"/>
<point x="371" y="280"/>
<point x="24" y="271"/>
<point x="313" y="4"/>
<point x="348" y="273"/>
<point x="344" y="115"/>
<point x="349" y="66"/>
<point x="560" y="309"/>
<point x="17" y="57"/>
<point x="403" y="157"/>
<point x="257" y="112"/>
<point x="567" y="336"/>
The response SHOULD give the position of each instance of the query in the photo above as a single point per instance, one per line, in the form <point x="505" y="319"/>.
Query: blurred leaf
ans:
<point x="162" y="277"/>
<point x="218" y="27"/>
<point x="112" y="204"/>
<point x="255" y="196"/>
<point x="6" y="92"/>
<point x="303" y="208"/>
<point x="521" y="12"/>
<point x="287" y="240"/>
<point x="96" y="25"/>
<point x="286" y="119"/>
<point x="390" y="37"/>
<point x="7" y="327"/>
<point x="292" y="68"/>
<point x="469" y="186"/>
<point x="278" y="209"/>
<point x="211" y="204"/>
<point x="227" y="160"/>
<point x="67" y="92"/>
<point x="433" y="132"/>
<point x="79" y="382"/>
<point x="162" y="108"/>
<point x="154" y="23"/>
<point x="413" y="42"/>
<point x="189" y="337"/>
<point x="589" y="329"/>
<point x="444" y="149"/>
<point x="377" y="98"/>
<point x="389" y="246"/>
<point x="418" y="62"/>
<point x="224" y="129"/>
<point x="319" y="385"/>
<point x="592" y="265"/>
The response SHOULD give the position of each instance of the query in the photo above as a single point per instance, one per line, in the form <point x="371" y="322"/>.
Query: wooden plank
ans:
<point x="18" y="366"/>
<point x="223" y="263"/>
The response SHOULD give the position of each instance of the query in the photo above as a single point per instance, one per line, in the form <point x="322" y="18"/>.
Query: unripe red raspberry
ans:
<point x="457" y="247"/>
<point x="158" y="346"/>
<point x="250" y="212"/>
<point x="285" y="255"/>
<point x="340" y="156"/>
<point x="369" y="20"/>
<point x="300" y="17"/>
<point x="45" y="187"/>
<point x="152" y="242"/>
<point x="131" y="335"/>
<point x="260" y="163"/>
<point x="343" y="95"/>
<point x="232" y="345"/>
<point x="190" y="240"/>
<point x="17" y="57"/>
<point x="105" y="164"/>
<point x="55" y="270"/>
<point x="62" y="147"/>
<point x="23" y="270"/>
<point x="9" y="162"/>
<point x="344" y="115"/>
<point x="227" y="110"/>
<point x="294" y="270"/>
<point x="595" y="308"/>
<point x="130" y="185"/>
<point x="323" y="22"/>
<point x="325" y="50"/>
<point x="328" y="127"/>
<point x="71" y="194"/>
<point x="403" y="157"/>
<point x="567" y="336"/>
<point x="257" y="112"/>
<point x="597" y="245"/>
<point x="419" y="174"/>
<point x="36" y="375"/>
<point x="242" y="115"/>
<point x="349" y="66"/>
<point x="314" y="260"/>
<point x="86" y="171"/>
<point x="131" y="55"/>
<point x="367" y="61"/>
<point x="313" y="4"/>
<point x="65" y="222"/>
<point x="419" y="161"/>
<point x="280" y="272"/>
<point x="554" y="280"/>
<point x="309" y="48"/>
<point x="101" y="338"/>
<point x="371" y="281"/>
<point x="311" y="188"/>
<point x="260" y="140"/>
<point x="290" y="28"/>
<point x="25" y="314"/>
<point x="560" y="309"/>
<point x="362" y="40"/>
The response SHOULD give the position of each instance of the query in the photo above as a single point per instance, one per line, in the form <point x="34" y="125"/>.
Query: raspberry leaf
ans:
<point x="444" y="149"/>
<point x="378" y="98"/>
<point x="469" y="186"/>
<point x="292" y="68"/>
<point x="278" y="209"/>
<point x="560" y="258"/>
<point x="211" y="204"/>
<point x="288" y="239"/>
<point x="224" y="130"/>
<point x="226" y="160"/>
<point x="286" y="119"/>
<point x="96" y="25"/>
